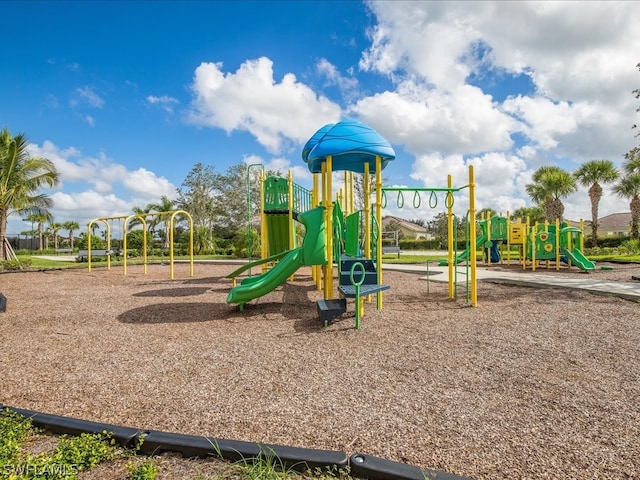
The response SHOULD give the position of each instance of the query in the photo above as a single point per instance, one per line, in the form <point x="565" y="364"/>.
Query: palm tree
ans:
<point x="137" y="221"/>
<point x="41" y="217"/>
<point x="632" y="160"/>
<point x="55" y="227"/>
<point x="591" y="174"/>
<point x="21" y="176"/>
<point x="629" y="187"/>
<point x="164" y="205"/>
<point x="71" y="226"/>
<point x="550" y="185"/>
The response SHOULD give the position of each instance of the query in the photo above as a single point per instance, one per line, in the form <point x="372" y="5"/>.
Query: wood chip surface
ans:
<point x="534" y="383"/>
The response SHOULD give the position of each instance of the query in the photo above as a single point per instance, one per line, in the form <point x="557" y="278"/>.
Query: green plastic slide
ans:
<point x="312" y="252"/>
<point x="578" y="259"/>
<point x="464" y="255"/>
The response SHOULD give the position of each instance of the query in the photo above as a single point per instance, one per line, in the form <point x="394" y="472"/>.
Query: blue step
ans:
<point x="370" y="272"/>
<point x="349" y="291"/>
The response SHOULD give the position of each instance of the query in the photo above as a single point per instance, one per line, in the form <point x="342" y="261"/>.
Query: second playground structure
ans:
<point x="559" y="242"/>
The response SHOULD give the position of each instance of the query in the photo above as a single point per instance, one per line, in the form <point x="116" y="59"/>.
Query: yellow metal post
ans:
<point x="263" y="224"/>
<point x="379" y="222"/>
<point x="367" y="211"/>
<point x="328" y="278"/>
<point x="352" y="207"/>
<point x="472" y="237"/>
<point x="451" y="241"/>
<point x="315" y="201"/>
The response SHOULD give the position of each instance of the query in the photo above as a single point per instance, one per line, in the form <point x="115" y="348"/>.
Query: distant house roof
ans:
<point x="406" y="224"/>
<point x="615" y="221"/>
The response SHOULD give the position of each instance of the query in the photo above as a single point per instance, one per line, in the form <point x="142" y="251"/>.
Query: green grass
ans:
<point x="411" y="259"/>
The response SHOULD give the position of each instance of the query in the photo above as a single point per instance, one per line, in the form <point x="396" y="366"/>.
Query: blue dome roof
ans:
<point x="351" y="144"/>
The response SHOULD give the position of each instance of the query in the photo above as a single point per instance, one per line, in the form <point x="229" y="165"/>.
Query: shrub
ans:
<point x="13" y="265"/>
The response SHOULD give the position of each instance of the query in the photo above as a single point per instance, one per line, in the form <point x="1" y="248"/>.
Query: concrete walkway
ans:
<point x="626" y="290"/>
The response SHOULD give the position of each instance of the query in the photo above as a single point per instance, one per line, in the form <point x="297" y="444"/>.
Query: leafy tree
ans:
<point x="629" y="187"/>
<point x="550" y="185"/>
<point x="480" y="214"/>
<point x="196" y="196"/>
<point x="135" y="239"/>
<point x="535" y="214"/>
<point x="231" y="199"/>
<point x="358" y="188"/>
<point x="591" y="174"/>
<point x="21" y="177"/>
<point x="97" y="243"/>
<point x="231" y="190"/>
<point x="438" y="227"/>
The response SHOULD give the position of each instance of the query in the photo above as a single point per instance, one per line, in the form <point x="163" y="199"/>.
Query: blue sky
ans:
<point x="126" y="97"/>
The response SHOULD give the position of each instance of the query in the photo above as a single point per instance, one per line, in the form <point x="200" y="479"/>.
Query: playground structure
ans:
<point x="559" y="242"/>
<point x="335" y="232"/>
<point x="125" y="219"/>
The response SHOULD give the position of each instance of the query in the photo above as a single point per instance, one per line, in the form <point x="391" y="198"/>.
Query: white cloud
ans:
<point x="348" y="86"/>
<point x="86" y="97"/>
<point x="97" y="186"/>
<point x="165" y="102"/>
<point x="148" y="185"/>
<point x="252" y="100"/>
<point x="463" y="120"/>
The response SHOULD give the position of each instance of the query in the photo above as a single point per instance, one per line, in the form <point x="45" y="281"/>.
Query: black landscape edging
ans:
<point x="124" y="436"/>
<point x="296" y="458"/>
<point x="190" y="446"/>
<point x="375" y="468"/>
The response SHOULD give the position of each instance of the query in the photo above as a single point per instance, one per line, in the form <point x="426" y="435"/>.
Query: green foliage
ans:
<point x="632" y="246"/>
<point x="135" y="239"/>
<point x="97" y="243"/>
<point x="14" y="429"/>
<point x="203" y="241"/>
<point x="85" y="451"/>
<point x="438" y="228"/>
<point x="418" y="244"/>
<point x="71" y="456"/>
<point x="147" y="470"/>
<point x="13" y="265"/>
<point x="241" y="239"/>
<point x="330" y="473"/>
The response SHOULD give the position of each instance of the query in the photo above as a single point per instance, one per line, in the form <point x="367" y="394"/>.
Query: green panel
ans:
<point x="278" y="234"/>
<point x="499" y="229"/>
<point x="276" y="193"/>
<point x="352" y="234"/>
<point x="314" y="244"/>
